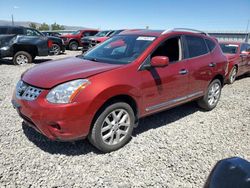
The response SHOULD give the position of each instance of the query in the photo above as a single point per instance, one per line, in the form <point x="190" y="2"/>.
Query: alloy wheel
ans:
<point x="56" y="49"/>
<point x="22" y="60"/>
<point x="233" y="75"/>
<point x="214" y="94"/>
<point x="115" y="126"/>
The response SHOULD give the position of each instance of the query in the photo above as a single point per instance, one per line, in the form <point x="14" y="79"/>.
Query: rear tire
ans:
<point x="73" y="45"/>
<point x="56" y="49"/>
<point x="113" y="127"/>
<point x="232" y="75"/>
<point x="210" y="100"/>
<point x="22" y="58"/>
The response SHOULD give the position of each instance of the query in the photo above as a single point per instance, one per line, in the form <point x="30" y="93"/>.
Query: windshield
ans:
<point x="76" y="32"/>
<point x="120" y="49"/>
<point x="229" y="48"/>
<point x="102" y="33"/>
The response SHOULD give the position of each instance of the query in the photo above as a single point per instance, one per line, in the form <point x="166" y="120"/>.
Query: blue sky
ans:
<point x="115" y="14"/>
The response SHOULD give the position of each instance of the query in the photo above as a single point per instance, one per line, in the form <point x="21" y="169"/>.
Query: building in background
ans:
<point x="239" y="36"/>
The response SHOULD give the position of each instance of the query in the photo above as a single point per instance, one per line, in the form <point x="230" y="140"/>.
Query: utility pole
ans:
<point x="247" y="33"/>
<point x="12" y="19"/>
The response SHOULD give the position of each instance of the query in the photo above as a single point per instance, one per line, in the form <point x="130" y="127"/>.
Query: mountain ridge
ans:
<point x="27" y="23"/>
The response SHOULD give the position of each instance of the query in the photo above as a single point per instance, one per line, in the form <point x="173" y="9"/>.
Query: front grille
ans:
<point x="27" y="92"/>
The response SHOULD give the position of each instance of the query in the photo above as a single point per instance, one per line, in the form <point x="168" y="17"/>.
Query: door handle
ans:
<point x="183" y="71"/>
<point x="211" y="64"/>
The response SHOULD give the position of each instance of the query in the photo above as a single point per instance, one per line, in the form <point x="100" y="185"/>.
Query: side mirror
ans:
<point x="159" y="61"/>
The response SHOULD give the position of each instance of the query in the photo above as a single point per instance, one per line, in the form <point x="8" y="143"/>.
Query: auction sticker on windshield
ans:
<point x="146" y="38"/>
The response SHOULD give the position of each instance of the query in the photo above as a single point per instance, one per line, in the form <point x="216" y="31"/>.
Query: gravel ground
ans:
<point x="175" y="148"/>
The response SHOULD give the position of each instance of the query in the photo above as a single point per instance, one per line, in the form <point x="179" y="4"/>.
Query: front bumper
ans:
<point x="66" y="122"/>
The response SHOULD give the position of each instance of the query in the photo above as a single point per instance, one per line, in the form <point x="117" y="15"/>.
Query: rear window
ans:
<point x="211" y="44"/>
<point x="196" y="46"/>
<point x="229" y="48"/>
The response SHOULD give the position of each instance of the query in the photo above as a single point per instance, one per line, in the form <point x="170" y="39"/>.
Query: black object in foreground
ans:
<point x="230" y="173"/>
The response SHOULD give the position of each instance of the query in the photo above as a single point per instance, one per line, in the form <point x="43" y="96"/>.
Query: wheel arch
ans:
<point x="31" y="49"/>
<point x="219" y="77"/>
<point x="117" y="98"/>
<point x="73" y="40"/>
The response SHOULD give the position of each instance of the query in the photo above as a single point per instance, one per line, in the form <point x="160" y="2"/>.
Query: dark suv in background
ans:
<point x="23" y="44"/>
<point x="58" y="45"/>
<point x="73" y="40"/>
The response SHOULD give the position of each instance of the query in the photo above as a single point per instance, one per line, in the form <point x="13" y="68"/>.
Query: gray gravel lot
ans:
<point x="175" y="148"/>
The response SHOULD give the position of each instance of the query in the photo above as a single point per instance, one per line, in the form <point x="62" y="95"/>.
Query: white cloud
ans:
<point x="15" y="7"/>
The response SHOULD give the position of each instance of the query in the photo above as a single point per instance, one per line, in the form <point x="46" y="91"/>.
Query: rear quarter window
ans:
<point x="196" y="46"/>
<point x="210" y="44"/>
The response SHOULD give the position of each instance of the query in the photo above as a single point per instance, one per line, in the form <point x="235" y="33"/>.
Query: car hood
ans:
<point x="231" y="56"/>
<point x="52" y="73"/>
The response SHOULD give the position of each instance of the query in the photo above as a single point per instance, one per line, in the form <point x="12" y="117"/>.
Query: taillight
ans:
<point x="50" y="43"/>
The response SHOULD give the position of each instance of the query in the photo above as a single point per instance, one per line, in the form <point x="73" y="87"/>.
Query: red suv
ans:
<point x="73" y="40"/>
<point x="91" y="41"/>
<point x="238" y="54"/>
<point x="102" y="94"/>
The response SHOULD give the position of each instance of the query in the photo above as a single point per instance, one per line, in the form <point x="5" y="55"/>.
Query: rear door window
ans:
<point x="196" y="46"/>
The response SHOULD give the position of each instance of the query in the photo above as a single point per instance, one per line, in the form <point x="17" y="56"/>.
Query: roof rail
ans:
<point x="185" y="29"/>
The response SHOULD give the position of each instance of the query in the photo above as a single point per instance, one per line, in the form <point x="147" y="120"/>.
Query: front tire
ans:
<point x="22" y="58"/>
<point x="232" y="75"/>
<point x="73" y="45"/>
<point x="113" y="127"/>
<point x="210" y="100"/>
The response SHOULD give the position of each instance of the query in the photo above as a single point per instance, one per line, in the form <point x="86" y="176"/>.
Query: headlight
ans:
<point x="65" y="93"/>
